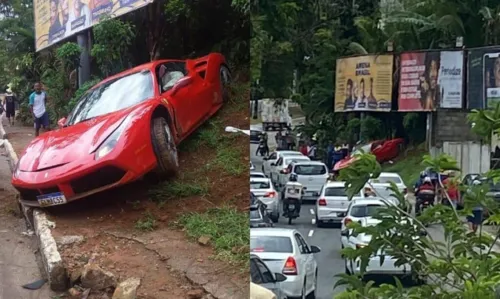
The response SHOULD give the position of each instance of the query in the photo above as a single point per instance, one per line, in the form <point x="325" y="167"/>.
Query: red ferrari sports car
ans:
<point x="383" y="150"/>
<point x="123" y="128"/>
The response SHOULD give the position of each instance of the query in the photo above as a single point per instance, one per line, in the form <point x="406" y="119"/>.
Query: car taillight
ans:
<point x="290" y="267"/>
<point x="347" y="221"/>
<point x="258" y="249"/>
<point x="322" y="202"/>
<point x="270" y="194"/>
<point x="405" y="190"/>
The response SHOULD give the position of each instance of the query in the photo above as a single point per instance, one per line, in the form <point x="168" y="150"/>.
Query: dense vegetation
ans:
<point x="175" y="28"/>
<point x="307" y="37"/>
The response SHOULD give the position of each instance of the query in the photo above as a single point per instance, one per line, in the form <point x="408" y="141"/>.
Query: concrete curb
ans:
<point x="37" y="219"/>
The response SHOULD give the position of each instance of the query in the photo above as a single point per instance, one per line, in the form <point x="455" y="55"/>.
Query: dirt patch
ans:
<point x="213" y="173"/>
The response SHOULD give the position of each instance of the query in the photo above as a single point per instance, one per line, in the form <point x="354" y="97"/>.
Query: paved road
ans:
<point x="328" y="239"/>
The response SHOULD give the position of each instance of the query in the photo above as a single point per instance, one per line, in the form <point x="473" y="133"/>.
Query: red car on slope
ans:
<point x="383" y="150"/>
<point x="123" y="128"/>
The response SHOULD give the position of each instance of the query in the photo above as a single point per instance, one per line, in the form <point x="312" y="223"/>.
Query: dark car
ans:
<point x="255" y="132"/>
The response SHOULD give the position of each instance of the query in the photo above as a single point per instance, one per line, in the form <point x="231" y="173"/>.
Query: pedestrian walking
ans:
<point x="10" y="106"/>
<point x="451" y="189"/>
<point x="476" y="219"/>
<point x="37" y="104"/>
<point x="311" y="153"/>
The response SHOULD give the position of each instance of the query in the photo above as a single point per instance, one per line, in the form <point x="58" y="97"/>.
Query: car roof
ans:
<point x="335" y="184"/>
<point x="273" y="232"/>
<point x="286" y="152"/>
<point x="260" y="180"/>
<point x="257" y="172"/>
<point x="389" y="174"/>
<point x="369" y="201"/>
<point x="309" y="163"/>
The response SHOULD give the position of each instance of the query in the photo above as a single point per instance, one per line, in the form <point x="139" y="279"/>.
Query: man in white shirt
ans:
<point x="37" y="103"/>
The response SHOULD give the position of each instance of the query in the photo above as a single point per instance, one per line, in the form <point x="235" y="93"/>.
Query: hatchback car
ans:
<point x="279" y="173"/>
<point x="332" y="203"/>
<point x="256" y="174"/>
<point x="286" y="251"/>
<point x="261" y="275"/>
<point x="311" y="174"/>
<point x="383" y="182"/>
<point x="265" y="192"/>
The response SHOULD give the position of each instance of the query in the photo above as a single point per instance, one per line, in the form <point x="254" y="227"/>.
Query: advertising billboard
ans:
<point x="483" y="77"/>
<point x="430" y="80"/>
<point x="364" y="83"/>
<point x="59" y="19"/>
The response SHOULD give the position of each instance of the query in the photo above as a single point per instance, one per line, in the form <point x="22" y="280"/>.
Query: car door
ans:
<point x="168" y="74"/>
<point x="307" y="260"/>
<point x="266" y="166"/>
<point x="203" y="94"/>
<point x="268" y="278"/>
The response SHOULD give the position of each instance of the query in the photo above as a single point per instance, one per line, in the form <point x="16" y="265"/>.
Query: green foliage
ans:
<point x="463" y="266"/>
<point x="371" y="128"/>
<point x="415" y="126"/>
<point x="113" y="38"/>
<point x="69" y="55"/>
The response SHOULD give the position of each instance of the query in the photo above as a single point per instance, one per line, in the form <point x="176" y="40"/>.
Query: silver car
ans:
<point x="264" y="190"/>
<point x="332" y="203"/>
<point x="261" y="275"/>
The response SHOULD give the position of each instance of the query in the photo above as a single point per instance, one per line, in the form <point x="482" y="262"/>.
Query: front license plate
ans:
<point x="291" y="207"/>
<point x="52" y="199"/>
<point x="334" y="214"/>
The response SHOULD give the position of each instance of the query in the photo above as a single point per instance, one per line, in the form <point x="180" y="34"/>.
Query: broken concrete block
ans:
<point x="96" y="278"/>
<point x="204" y="240"/>
<point x="127" y="289"/>
<point x="68" y="240"/>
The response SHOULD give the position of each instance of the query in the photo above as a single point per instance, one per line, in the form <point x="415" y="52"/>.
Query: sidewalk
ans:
<point x="18" y="265"/>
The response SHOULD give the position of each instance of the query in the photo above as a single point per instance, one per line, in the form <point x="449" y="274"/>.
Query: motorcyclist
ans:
<point x="262" y="148"/>
<point x="425" y="192"/>
<point x="423" y="174"/>
<point x="293" y="190"/>
<point x="368" y="192"/>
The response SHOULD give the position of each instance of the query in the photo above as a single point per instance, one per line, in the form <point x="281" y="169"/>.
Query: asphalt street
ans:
<point x="328" y="239"/>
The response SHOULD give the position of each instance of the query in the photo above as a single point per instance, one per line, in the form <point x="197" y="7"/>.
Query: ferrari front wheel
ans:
<point x="164" y="148"/>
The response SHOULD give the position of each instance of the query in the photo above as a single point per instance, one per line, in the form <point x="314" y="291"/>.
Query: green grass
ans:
<point x="146" y="223"/>
<point x="179" y="189"/>
<point x="227" y="228"/>
<point x="408" y="167"/>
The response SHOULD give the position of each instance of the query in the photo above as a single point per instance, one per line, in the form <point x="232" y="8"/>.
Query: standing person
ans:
<point x="289" y="140"/>
<point x="476" y="219"/>
<point x="312" y="151"/>
<point x="37" y="103"/>
<point x="10" y="106"/>
<point x="451" y="188"/>
<point x="303" y="148"/>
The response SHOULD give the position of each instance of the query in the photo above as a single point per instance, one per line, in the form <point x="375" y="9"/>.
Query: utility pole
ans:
<point x="83" y="39"/>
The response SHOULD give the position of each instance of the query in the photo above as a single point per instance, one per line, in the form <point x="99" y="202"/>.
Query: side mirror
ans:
<point x="265" y="158"/>
<point x="344" y="233"/>
<point x="305" y="188"/>
<point x="61" y="122"/>
<point x="280" y="277"/>
<point x="183" y="82"/>
<point x="315" y="249"/>
<point x="273" y="164"/>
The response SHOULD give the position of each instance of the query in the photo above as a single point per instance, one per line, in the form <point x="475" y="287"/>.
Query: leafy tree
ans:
<point x="464" y="266"/>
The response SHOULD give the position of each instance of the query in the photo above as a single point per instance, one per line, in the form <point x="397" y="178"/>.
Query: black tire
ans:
<point x="225" y="81"/>
<point x="312" y="295"/>
<point x="164" y="148"/>
<point x="319" y="223"/>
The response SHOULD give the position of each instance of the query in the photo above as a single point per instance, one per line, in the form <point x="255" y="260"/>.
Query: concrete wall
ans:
<point x="451" y="125"/>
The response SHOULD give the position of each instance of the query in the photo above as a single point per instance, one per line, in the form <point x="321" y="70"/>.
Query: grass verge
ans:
<point x="408" y="167"/>
<point x="228" y="230"/>
<point x="179" y="189"/>
<point x="146" y="223"/>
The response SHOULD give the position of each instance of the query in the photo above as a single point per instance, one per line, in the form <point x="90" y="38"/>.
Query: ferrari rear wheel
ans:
<point x="225" y="80"/>
<point x="164" y="147"/>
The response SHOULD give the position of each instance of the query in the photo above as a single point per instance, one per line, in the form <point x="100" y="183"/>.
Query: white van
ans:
<point x="312" y="175"/>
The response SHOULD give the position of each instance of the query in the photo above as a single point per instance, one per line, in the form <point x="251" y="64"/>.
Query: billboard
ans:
<point x="364" y="83"/>
<point x="58" y="19"/>
<point x="483" y="77"/>
<point x="430" y="80"/>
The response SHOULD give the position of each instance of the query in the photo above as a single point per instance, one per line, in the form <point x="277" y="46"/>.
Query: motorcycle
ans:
<point x="262" y="149"/>
<point x="293" y="210"/>
<point x="425" y="202"/>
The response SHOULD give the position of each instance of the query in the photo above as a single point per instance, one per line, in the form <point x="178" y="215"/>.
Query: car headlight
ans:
<point x="110" y="142"/>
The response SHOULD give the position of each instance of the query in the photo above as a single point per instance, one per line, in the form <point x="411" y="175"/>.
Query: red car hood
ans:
<point x="344" y="163"/>
<point x="59" y="147"/>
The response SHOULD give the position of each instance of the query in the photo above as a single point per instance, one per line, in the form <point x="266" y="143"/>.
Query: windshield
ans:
<point x="270" y="244"/>
<point x="112" y="96"/>
<point x="387" y="180"/>
<point x="336" y="191"/>
<point x="259" y="185"/>
<point x="295" y="160"/>
<point x="310" y="169"/>
<point x="360" y="211"/>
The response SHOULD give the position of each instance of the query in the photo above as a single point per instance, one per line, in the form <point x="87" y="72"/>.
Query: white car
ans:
<point x="332" y="203"/>
<point x="383" y="182"/>
<point x="264" y="190"/>
<point x="273" y="158"/>
<point x="279" y="173"/>
<point x="262" y="276"/>
<point x="311" y="174"/>
<point x="252" y="167"/>
<point x="256" y="174"/>
<point x="286" y="251"/>
<point x="362" y="211"/>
